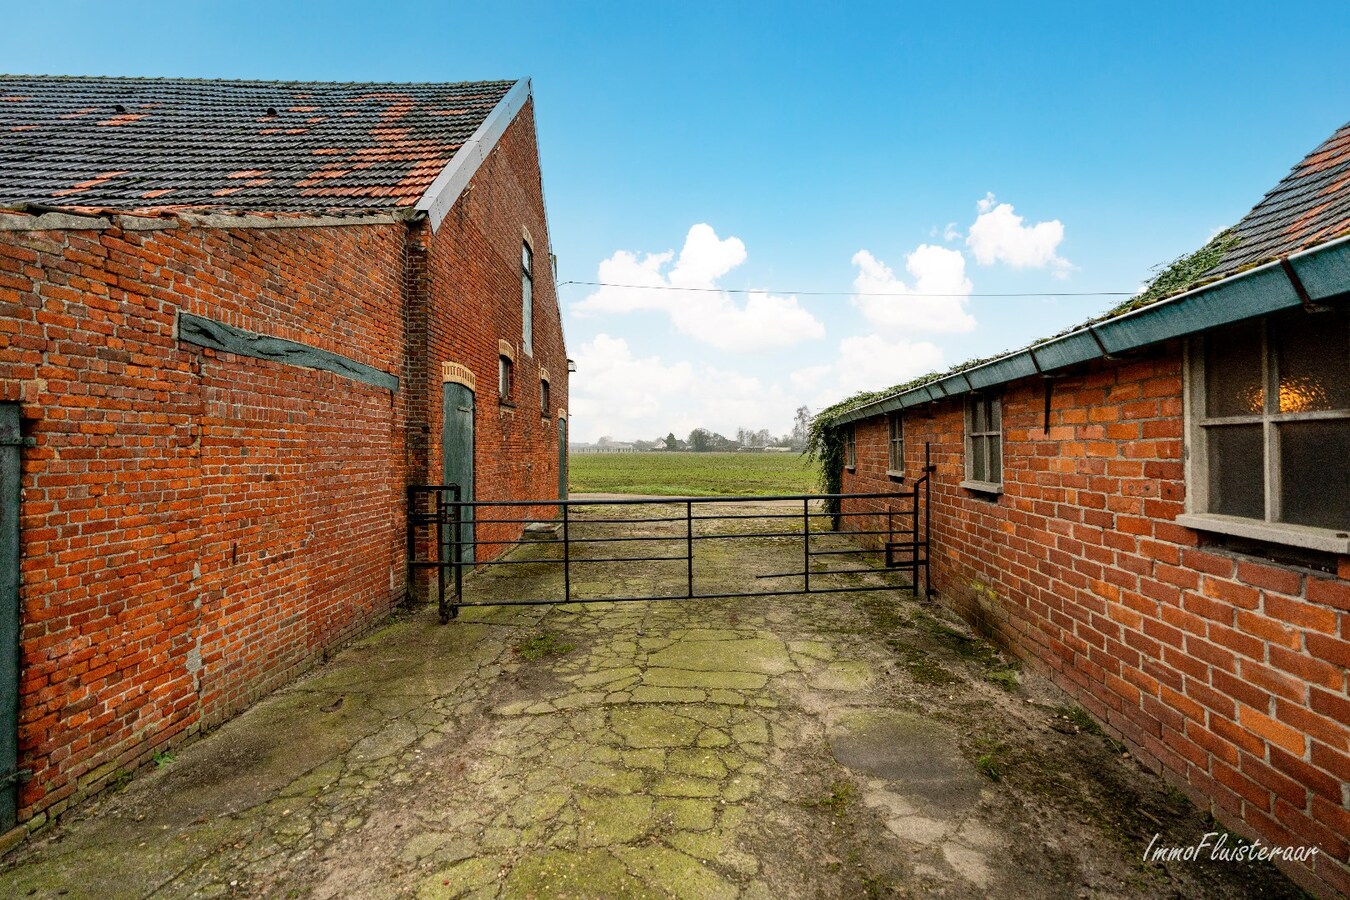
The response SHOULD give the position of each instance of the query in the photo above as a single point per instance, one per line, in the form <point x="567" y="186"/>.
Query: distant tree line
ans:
<point x="702" y="440"/>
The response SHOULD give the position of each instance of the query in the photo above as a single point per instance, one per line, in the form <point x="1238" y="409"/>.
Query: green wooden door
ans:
<point x="457" y="454"/>
<point x="562" y="458"/>
<point x="10" y="443"/>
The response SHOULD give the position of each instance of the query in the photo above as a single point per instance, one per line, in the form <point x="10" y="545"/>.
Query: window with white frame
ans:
<point x="1268" y="429"/>
<point x="896" y="457"/>
<point x="526" y="299"/>
<point x="984" y="443"/>
<point x="850" y="449"/>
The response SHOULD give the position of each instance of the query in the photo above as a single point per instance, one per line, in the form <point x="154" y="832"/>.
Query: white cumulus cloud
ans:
<point x="618" y="393"/>
<point x="865" y="362"/>
<point x="762" y="322"/>
<point x="999" y="235"/>
<point x="871" y="362"/>
<point x="935" y="303"/>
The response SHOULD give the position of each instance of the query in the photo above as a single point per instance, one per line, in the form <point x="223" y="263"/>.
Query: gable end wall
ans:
<point x="474" y="290"/>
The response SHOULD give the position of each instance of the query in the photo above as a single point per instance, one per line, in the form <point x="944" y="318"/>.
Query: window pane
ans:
<point x="995" y="459"/>
<point x="1315" y="473"/>
<point x="1314" y="361"/>
<point x="978" y="472"/>
<point x="995" y="414"/>
<point x="897" y="455"/>
<point x="1236" y="471"/>
<point x="1233" y="371"/>
<point x="979" y="417"/>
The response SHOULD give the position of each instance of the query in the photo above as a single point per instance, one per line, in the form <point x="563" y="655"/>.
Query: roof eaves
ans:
<point x="35" y="217"/>
<point x="1324" y="272"/>
<point x="441" y="195"/>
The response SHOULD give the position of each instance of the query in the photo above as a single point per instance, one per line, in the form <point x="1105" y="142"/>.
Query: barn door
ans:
<point x="10" y="442"/>
<point x="562" y="457"/>
<point x="457" y="456"/>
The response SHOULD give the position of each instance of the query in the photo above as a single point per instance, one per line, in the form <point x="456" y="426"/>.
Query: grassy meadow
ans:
<point x="675" y="474"/>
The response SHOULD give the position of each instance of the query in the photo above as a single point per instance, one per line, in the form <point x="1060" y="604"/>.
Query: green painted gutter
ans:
<point x="1324" y="272"/>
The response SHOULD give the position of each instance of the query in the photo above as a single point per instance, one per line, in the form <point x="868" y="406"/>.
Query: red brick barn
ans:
<point x="1154" y="510"/>
<point x="233" y="317"/>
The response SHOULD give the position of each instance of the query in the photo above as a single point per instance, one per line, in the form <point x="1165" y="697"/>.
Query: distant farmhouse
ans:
<point x="237" y="320"/>
<point x="1154" y="510"/>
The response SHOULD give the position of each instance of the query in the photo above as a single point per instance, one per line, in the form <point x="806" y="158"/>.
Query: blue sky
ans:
<point x="968" y="148"/>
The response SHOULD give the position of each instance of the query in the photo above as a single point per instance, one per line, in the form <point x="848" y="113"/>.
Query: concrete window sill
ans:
<point x="1325" y="539"/>
<point x="983" y="487"/>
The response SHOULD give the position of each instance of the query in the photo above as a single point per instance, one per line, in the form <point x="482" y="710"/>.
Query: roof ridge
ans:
<point x="158" y="79"/>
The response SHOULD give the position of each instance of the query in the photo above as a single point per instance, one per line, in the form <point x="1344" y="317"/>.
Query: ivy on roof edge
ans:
<point x="825" y="445"/>
<point x="1182" y="274"/>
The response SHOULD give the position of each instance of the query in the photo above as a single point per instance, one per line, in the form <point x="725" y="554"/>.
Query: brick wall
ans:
<point x="1225" y="672"/>
<point x="198" y="527"/>
<point x="474" y="287"/>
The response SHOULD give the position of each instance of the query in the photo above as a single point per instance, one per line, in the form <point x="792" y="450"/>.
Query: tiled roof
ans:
<point x="159" y="144"/>
<point x="1309" y="207"/>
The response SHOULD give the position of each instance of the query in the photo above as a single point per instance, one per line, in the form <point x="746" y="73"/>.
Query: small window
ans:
<point x="527" y="299"/>
<point x="1269" y="429"/>
<point x="504" y="366"/>
<point x="543" y="396"/>
<point x="850" y="449"/>
<point x="896" y="458"/>
<point x="984" y="443"/>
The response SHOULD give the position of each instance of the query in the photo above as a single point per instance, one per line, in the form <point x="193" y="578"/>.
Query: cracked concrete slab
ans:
<point x="822" y="746"/>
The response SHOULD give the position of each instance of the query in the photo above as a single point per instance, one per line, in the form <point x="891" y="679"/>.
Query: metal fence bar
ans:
<point x="567" y="558"/>
<point x="657" y="501"/>
<point x="681" y="598"/>
<point x="457" y="524"/>
<point x="689" y="544"/>
<point x="608" y="559"/>
<point x="806" y="545"/>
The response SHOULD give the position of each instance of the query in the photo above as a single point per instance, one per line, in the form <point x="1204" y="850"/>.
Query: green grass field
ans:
<point x="691" y="474"/>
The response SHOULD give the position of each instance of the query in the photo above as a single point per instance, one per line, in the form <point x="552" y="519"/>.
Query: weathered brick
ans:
<point x="1125" y="609"/>
<point x="253" y="510"/>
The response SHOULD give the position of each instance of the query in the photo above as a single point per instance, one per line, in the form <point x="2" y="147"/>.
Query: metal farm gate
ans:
<point x="447" y="535"/>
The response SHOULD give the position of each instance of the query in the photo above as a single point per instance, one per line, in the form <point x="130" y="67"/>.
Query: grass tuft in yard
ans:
<point x="842" y="794"/>
<point x="994" y="760"/>
<point x="542" y="645"/>
<point x="1005" y="677"/>
<point x="1079" y="718"/>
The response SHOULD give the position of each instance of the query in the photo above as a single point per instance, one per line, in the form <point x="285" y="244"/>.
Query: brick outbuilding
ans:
<point x="1154" y="510"/>
<point x="233" y="318"/>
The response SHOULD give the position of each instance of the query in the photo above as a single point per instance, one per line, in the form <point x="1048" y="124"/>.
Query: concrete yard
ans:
<point x="837" y="745"/>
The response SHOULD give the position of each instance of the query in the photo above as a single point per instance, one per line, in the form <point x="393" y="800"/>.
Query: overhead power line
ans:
<point x="671" y="287"/>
